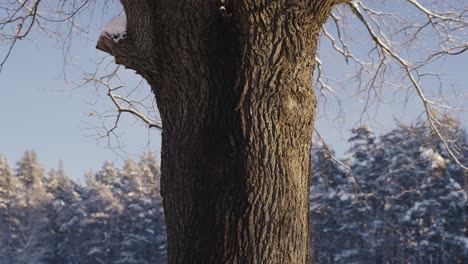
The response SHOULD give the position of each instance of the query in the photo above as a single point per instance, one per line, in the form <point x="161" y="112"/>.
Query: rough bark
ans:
<point x="237" y="107"/>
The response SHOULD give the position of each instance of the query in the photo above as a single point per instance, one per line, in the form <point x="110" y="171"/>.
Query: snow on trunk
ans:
<point x="116" y="29"/>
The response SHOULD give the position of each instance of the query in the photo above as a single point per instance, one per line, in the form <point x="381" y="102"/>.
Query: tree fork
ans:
<point x="234" y="90"/>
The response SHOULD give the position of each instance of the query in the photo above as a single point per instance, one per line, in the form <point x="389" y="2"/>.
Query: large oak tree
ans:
<point x="233" y="81"/>
<point x="234" y="89"/>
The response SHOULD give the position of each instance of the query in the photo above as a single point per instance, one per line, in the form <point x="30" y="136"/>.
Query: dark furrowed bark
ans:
<point x="278" y="109"/>
<point x="237" y="107"/>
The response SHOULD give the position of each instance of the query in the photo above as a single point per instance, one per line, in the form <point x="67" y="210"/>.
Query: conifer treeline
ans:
<point x="117" y="217"/>
<point x="402" y="201"/>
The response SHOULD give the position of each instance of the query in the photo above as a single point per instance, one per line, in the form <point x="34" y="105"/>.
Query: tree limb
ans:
<point x="339" y="2"/>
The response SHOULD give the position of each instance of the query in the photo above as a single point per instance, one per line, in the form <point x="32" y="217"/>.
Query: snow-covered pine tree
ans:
<point x="66" y="213"/>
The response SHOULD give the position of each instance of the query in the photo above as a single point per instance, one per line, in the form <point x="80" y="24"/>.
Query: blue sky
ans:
<point x="42" y="111"/>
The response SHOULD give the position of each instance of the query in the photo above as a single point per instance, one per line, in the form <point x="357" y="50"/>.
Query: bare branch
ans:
<point x="116" y="99"/>
<point x="19" y="19"/>
<point x="339" y="2"/>
<point x="409" y="70"/>
<point x="394" y="55"/>
<point x="330" y="155"/>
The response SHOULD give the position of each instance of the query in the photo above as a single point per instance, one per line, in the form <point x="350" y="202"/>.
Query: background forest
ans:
<point x="394" y="198"/>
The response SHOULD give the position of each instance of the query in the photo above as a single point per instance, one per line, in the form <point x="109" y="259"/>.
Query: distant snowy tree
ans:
<point x="7" y="184"/>
<point x="141" y="221"/>
<point x="108" y="175"/>
<point x="326" y="179"/>
<point x="29" y="171"/>
<point x="66" y="213"/>
<point x="131" y="249"/>
<point x="102" y="230"/>
<point x="154" y="206"/>
<point x="8" y="187"/>
<point x="29" y="236"/>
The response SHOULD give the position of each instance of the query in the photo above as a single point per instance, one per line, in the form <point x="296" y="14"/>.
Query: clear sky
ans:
<point x="41" y="111"/>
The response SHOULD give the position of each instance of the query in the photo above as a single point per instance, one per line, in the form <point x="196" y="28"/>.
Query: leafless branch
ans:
<point x="22" y="19"/>
<point x="118" y="100"/>
<point x="398" y="57"/>
<point x="329" y="154"/>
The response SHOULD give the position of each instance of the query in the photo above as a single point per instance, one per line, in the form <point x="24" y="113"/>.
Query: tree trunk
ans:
<point x="234" y="90"/>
